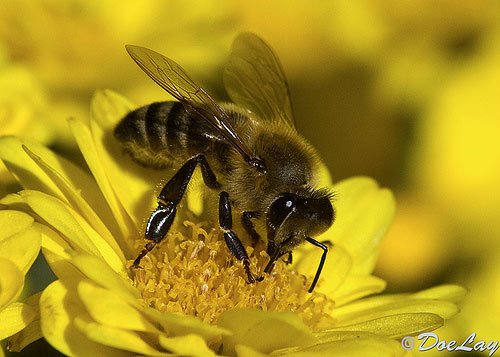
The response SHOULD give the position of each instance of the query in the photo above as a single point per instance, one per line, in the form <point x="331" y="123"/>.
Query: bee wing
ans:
<point x="172" y="77"/>
<point x="255" y="80"/>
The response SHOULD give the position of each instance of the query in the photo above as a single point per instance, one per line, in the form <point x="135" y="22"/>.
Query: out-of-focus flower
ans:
<point x="457" y="170"/>
<point x="76" y="45"/>
<point x="436" y="82"/>
<point x="484" y="291"/>
<point x="22" y="110"/>
<point x="187" y="299"/>
<point x="458" y="160"/>
<point x="19" y="246"/>
<point x="418" y="234"/>
<point x="23" y="105"/>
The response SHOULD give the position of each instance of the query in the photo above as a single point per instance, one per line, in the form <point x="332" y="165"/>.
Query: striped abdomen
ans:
<point x="161" y="134"/>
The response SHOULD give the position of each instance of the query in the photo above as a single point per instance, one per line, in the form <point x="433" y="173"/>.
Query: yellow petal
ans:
<point x="115" y="337"/>
<point x="99" y="272"/>
<point x="21" y="248"/>
<point x="133" y="184"/>
<point x="396" y="326"/>
<point x="263" y="331"/>
<point x="108" y="108"/>
<point x="377" y="307"/>
<point x="176" y="324"/>
<point x="86" y="144"/>
<point x="452" y="293"/>
<point x="57" y="252"/>
<point x="75" y="198"/>
<point x="13" y="201"/>
<point x="332" y="336"/>
<point x="32" y="177"/>
<point x="12" y="222"/>
<point x="245" y="351"/>
<point x="374" y="346"/>
<point x="11" y="282"/>
<point x="54" y="242"/>
<point x="109" y="309"/>
<point x="357" y="286"/>
<point x="187" y="345"/>
<point x="32" y="331"/>
<point x="29" y="175"/>
<point x="51" y="163"/>
<point x="58" y="307"/>
<point x="57" y="214"/>
<point x="69" y="223"/>
<point x="363" y="215"/>
<point x="14" y="318"/>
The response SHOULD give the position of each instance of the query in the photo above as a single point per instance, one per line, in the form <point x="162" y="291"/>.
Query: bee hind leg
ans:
<point x="161" y="219"/>
<point x="232" y="241"/>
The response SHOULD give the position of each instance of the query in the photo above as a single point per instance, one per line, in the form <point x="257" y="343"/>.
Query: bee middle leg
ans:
<point x="163" y="216"/>
<point x="232" y="241"/>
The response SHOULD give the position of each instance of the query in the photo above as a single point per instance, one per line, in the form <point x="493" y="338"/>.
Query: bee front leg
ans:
<point x="161" y="219"/>
<point x="323" y="246"/>
<point x="233" y="242"/>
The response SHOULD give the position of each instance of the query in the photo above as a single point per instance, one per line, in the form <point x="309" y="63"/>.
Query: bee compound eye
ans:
<point x="280" y="209"/>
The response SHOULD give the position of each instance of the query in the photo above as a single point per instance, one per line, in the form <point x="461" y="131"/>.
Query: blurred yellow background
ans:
<point x="407" y="92"/>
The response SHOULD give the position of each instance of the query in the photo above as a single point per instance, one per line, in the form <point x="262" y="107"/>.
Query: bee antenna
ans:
<point x="321" y="263"/>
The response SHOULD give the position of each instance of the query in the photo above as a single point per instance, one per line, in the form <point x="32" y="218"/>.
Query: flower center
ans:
<point x="193" y="272"/>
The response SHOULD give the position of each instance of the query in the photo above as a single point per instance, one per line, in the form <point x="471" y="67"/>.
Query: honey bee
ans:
<point x="249" y="151"/>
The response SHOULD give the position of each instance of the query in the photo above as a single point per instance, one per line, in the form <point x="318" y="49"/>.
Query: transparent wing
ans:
<point x="254" y="79"/>
<point x="172" y="77"/>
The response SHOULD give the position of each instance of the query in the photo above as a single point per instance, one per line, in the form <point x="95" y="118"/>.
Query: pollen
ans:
<point x="193" y="272"/>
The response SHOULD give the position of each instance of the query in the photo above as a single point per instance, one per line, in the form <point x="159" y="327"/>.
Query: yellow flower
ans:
<point x="191" y="298"/>
<point x="19" y="246"/>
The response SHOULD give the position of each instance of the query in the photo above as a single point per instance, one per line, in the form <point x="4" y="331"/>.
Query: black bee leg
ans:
<point x="163" y="216"/>
<point x="246" y="221"/>
<point x="157" y="227"/>
<point x="208" y="175"/>
<point x="269" y="267"/>
<point x="322" y="261"/>
<point x="233" y="242"/>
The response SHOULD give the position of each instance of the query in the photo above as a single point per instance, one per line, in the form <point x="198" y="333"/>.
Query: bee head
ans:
<point x="293" y="217"/>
